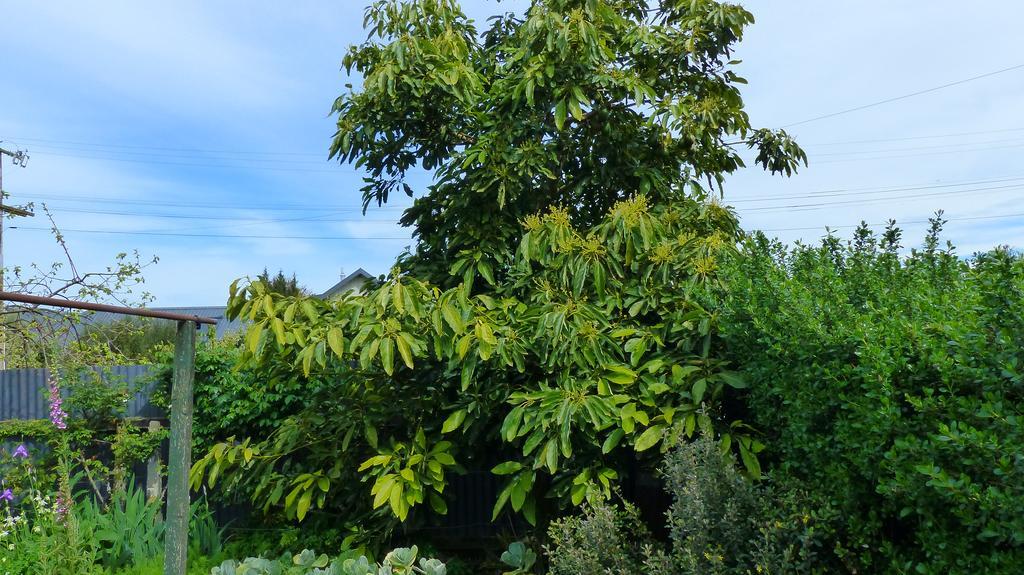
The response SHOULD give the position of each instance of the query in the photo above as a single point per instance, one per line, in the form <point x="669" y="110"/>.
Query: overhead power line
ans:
<point x="956" y="145"/>
<point x="254" y="166"/>
<point x="277" y="164"/>
<point x="221" y="236"/>
<point x="918" y="155"/>
<point x="964" y="219"/>
<point x="143" y="233"/>
<point x="905" y="138"/>
<point x="327" y="217"/>
<point x="321" y="159"/>
<point x="874" y="190"/>
<point x="165" y="149"/>
<point x="206" y="205"/>
<point x="904" y="96"/>
<point x="887" y="199"/>
<point x="866" y="196"/>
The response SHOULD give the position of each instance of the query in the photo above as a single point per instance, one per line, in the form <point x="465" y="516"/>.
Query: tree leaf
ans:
<point x="336" y="341"/>
<point x="387" y="355"/>
<point x="404" y="350"/>
<point x="303" y="505"/>
<point x="613" y="440"/>
<point x="698" y="389"/>
<point x="507" y="468"/>
<point x="649" y="438"/>
<point x="732" y="379"/>
<point x="560" y="114"/>
<point x="454" y="421"/>
<point x="620" y="374"/>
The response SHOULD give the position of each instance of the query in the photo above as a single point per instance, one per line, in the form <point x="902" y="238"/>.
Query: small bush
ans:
<point x="603" y="539"/>
<point x="719" y="522"/>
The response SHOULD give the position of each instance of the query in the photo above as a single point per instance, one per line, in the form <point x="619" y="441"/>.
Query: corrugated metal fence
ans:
<point x="23" y="391"/>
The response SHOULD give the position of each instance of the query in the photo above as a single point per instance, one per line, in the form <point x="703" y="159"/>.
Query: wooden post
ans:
<point x="154" y="483"/>
<point x="179" y="460"/>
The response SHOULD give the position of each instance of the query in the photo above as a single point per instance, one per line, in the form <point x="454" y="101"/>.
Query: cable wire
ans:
<point x="904" y="96"/>
<point x="221" y="236"/>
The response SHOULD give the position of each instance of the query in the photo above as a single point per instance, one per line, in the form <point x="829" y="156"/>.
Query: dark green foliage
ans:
<point x="96" y="396"/>
<point x="233" y="401"/>
<point x="282" y="285"/>
<point x="889" y="388"/>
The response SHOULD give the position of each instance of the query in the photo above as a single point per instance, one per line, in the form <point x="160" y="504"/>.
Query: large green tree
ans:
<point x="558" y="306"/>
<point x="576" y="103"/>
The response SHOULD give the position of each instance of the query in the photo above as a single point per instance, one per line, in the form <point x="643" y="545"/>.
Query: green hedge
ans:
<point x="889" y="387"/>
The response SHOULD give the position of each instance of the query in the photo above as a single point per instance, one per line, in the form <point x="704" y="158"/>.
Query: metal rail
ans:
<point x="57" y="302"/>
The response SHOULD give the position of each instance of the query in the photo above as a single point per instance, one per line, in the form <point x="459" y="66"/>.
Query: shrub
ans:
<point x="722" y="523"/>
<point x="602" y="539"/>
<point x="889" y="388"/>
<point x="231" y="400"/>
<point x="719" y="523"/>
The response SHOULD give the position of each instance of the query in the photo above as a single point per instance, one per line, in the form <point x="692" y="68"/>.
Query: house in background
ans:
<point x="354" y="281"/>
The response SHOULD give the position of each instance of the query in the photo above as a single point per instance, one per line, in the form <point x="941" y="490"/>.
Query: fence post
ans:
<point x="154" y="483"/>
<point x="179" y="459"/>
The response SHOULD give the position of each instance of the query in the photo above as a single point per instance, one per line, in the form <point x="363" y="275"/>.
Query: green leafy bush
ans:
<point x="602" y="539"/>
<point x="889" y="389"/>
<point x="233" y="401"/>
<point x="720" y="523"/>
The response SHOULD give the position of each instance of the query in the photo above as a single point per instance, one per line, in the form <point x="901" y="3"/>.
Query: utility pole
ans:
<point x="18" y="158"/>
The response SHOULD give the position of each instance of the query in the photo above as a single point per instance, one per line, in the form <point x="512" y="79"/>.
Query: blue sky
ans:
<point x="161" y="117"/>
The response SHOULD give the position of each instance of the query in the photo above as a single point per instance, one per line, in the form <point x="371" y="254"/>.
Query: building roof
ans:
<point x="351" y="282"/>
<point x="224" y="325"/>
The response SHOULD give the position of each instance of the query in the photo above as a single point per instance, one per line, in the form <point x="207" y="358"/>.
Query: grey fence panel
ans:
<point x="23" y="391"/>
<point x="22" y="394"/>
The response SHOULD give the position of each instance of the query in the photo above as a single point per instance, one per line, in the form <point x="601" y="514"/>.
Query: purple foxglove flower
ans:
<point x="63" y="506"/>
<point x="57" y="414"/>
<point x="20" y="451"/>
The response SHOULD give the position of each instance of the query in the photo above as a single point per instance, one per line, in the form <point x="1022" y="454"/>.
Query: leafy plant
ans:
<point x="719" y="523"/>
<point x="568" y="376"/>
<point x="128" y="530"/>
<point x="520" y="558"/>
<point x="580" y="104"/>
<point x="601" y="538"/>
<point x="888" y="387"/>
<point x="400" y="561"/>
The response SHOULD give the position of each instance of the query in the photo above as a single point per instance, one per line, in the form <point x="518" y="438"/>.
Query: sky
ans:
<point x="153" y="120"/>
